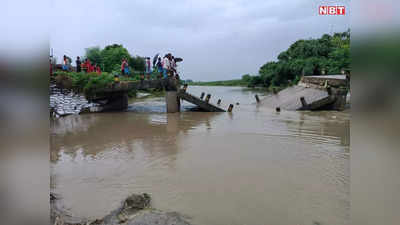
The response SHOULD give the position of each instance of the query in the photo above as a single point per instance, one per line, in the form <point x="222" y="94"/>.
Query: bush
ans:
<point x="97" y="82"/>
<point x="88" y="83"/>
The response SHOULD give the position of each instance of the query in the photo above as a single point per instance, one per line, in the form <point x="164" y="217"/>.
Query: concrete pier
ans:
<point x="172" y="100"/>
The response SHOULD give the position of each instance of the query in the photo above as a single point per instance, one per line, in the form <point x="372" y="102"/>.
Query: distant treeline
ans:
<point x="237" y="82"/>
<point x="330" y="53"/>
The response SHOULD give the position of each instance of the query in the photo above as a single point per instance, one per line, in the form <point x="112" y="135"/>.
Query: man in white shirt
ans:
<point x="173" y="65"/>
<point x="166" y="66"/>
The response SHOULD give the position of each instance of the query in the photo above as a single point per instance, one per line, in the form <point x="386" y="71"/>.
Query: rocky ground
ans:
<point x="64" y="102"/>
<point x="134" y="210"/>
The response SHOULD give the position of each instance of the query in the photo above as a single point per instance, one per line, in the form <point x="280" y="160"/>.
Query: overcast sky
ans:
<point x="218" y="40"/>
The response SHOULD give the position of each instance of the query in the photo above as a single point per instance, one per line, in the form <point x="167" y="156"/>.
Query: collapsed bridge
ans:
<point x="311" y="93"/>
<point x="115" y="96"/>
<point x="321" y="92"/>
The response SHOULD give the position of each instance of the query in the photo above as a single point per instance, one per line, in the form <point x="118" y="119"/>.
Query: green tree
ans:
<point x="306" y="57"/>
<point x="112" y="55"/>
<point x="137" y="63"/>
<point x="246" y="78"/>
<point x="94" y="55"/>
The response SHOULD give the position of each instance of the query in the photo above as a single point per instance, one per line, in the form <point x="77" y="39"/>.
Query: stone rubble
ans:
<point x="64" y="102"/>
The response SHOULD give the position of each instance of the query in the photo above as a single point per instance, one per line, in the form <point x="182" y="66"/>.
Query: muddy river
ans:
<point x="250" y="167"/>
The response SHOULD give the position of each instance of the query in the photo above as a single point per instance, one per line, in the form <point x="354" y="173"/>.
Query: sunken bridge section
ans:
<point x="321" y="92"/>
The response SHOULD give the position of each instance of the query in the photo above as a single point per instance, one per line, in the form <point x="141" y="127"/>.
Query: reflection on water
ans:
<point x="254" y="166"/>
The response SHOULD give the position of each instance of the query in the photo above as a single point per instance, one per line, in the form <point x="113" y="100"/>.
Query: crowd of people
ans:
<point x="164" y="67"/>
<point x="167" y="66"/>
<point x="87" y="66"/>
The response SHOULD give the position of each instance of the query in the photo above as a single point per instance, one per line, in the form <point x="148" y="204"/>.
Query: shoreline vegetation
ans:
<point x="327" y="55"/>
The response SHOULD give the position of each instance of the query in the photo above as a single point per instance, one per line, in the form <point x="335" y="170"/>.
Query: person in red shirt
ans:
<point x="93" y="68"/>
<point x="84" y="66"/>
<point x="89" y="66"/>
<point x="123" y="65"/>
<point x="98" y="70"/>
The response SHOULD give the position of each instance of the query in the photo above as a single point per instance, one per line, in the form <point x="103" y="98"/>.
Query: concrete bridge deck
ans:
<point x="312" y="93"/>
<point x="331" y="80"/>
<point x="203" y="104"/>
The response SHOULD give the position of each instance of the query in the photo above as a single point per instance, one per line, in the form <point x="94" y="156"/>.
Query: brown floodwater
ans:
<point x="253" y="166"/>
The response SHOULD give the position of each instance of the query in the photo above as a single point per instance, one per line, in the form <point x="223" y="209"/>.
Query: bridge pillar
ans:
<point x="172" y="100"/>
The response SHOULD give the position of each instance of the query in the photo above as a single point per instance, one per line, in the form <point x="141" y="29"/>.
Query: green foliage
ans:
<point x="91" y="83"/>
<point x="137" y="63"/>
<point x="305" y="57"/>
<point x="246" y="78"/>
<point x="110" y="58"/>
<point x="94" y="55"/>
<point x="112" y="55"/>
<point x="97" y="82"/>
<point x="83" y="82"/>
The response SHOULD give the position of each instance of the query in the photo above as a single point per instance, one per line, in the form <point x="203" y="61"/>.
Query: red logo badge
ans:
<point x="332" y="10"/>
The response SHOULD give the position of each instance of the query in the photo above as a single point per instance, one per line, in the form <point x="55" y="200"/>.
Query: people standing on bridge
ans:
<point x="148" y="68"/>
<point x="84" y="66"/>
<point x="159" y="68"/>
<point x="88" y="66"/>
<point x="123" y="64"/>
<point x="65" y="63"/>
<point x="127" y="71"/>
<point x="92" y="68"/>
<point x="166" y="66"/>
<point x="78" y="64"/>
<point x="51" y="66"/>
<point x="125" y="67"/>
<point x="173" y="66"/>
<point x="98" y="70"/>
